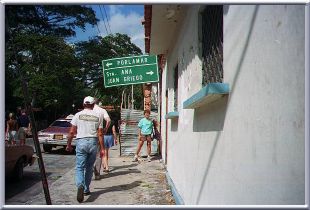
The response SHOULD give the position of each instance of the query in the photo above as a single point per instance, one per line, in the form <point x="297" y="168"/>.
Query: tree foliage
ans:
<point x="35" y="48"/>
<point x="55" y="20"/>
<point x="59" y="74"/>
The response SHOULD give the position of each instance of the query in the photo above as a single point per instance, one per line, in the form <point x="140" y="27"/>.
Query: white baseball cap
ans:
<point x="89" y="100"/>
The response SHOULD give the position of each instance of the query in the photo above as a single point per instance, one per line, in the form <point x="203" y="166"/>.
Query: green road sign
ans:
<point x="130" y="70"/>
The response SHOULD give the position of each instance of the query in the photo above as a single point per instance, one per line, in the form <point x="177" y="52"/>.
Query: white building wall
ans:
<point x="163" y="112"/>
<point x="247" y="148"/>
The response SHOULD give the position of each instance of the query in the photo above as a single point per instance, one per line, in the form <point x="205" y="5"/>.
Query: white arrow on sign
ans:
<point x="108" y="64"/>
<point x="150" y="72"/>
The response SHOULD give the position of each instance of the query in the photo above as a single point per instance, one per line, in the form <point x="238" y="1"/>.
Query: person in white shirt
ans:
<point x="88" y="127"/>
<point x="105" y="117"/>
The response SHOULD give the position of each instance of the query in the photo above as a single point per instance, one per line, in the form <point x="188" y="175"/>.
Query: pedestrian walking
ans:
<point x="105" y="117"/>
<point x="88" y="127"/>
<point x="110" y="139"/>
<point x="11" y="129"/>
<point x="145" y="130"/>
<point x="24" y="126"/>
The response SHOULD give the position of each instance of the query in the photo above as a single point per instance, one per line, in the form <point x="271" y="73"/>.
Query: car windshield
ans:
<point x="64" y="124"/>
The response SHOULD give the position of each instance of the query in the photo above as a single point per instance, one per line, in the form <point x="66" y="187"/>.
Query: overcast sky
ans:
<point x="125" y="19"/>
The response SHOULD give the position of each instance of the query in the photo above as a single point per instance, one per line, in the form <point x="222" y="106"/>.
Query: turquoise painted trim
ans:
<point x="204" y="93"/>
<point x="172" y="115"/>
<point x="176" y="195"/>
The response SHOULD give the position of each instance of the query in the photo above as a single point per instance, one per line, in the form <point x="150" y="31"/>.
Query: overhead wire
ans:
<point x="98" y="29"/>
<point x="103" y="20"/>
<point x="99" y="32"/>
<point x="107" y="19"/>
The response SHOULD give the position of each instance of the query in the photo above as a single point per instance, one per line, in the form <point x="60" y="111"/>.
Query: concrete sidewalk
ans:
<point x="128" y="183"/>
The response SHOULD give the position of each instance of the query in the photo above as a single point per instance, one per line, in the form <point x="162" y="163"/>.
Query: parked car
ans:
<point x="16" y="158"/>
<point x="56" y="134"/>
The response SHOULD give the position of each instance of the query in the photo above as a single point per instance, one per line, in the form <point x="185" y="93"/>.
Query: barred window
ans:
<point x="175" y="86"/>
<point x="211" y="36"/>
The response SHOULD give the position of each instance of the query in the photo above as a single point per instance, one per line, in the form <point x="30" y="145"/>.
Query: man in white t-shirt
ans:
<point x="88" y="127"/>
<point x="104" y="116"/>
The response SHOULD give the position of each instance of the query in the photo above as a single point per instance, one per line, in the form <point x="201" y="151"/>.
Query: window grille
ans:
<point x="212" y="44"/>
<point x="175" y="86"/>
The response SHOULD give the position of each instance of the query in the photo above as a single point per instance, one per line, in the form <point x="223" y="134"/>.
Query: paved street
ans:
<point x="128" y="183"/>
<point x="56" y="163"/>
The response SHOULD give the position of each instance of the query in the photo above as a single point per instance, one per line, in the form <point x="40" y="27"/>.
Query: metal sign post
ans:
<point x="33" y="125"/>
<point x="130" y="70"/>
<point x="35" y="138"/>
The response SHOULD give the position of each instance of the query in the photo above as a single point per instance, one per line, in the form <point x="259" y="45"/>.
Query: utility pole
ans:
<point x="32" y="120"/>
<point x="34" y="134"/>
<point x="132" y="101"/>
<point x="147" y="90"/>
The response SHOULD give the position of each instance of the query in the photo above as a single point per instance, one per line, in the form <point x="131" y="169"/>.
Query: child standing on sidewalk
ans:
<point x="145" y="130"/>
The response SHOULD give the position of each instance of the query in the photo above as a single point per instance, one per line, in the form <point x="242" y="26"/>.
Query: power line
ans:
<point x="99" y="32"/>
<point x="103" y="20"/>
<point x="107" y="18"/>
<point x="98" y="28"/>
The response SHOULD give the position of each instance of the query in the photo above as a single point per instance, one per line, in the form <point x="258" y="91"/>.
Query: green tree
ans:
<point x="35" y="45"/>
<point x="56" y="20"/>
<point x="59" y="74"/>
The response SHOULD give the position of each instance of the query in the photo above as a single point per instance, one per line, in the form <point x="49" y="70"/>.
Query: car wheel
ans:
<point x="18" y="173"/>
<point x="47" y="148"/>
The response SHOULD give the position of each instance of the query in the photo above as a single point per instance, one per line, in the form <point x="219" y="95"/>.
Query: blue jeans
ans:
<point x="86" y="149"/>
